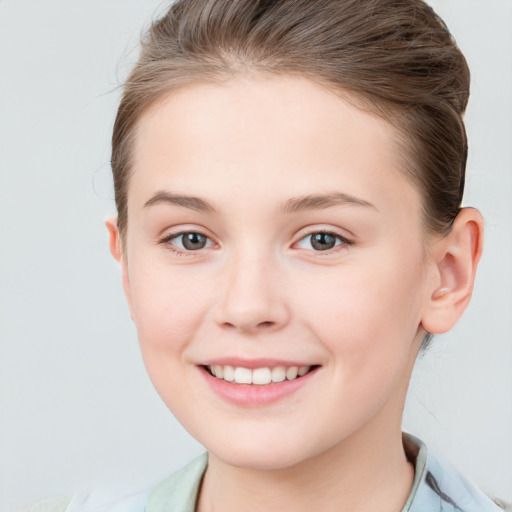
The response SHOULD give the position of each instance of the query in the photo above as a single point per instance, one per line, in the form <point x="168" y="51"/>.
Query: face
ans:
<point x="271" y="234"/>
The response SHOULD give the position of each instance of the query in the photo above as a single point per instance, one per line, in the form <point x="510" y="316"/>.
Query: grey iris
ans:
<point x="323" y="241"/>
<point x="193" y="241"/>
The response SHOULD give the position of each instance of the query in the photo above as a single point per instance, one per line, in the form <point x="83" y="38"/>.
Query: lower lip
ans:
<point x="252" y="395"/>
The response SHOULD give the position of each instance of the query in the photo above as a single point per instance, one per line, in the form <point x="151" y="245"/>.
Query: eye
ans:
<point x="321" y="241"/>
<point x="188" y="241"/>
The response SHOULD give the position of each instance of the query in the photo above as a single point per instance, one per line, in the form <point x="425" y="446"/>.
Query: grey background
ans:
<point x="77" y="409"/>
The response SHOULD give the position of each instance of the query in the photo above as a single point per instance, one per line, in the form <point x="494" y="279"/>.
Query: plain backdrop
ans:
<point x="77" y="409"/>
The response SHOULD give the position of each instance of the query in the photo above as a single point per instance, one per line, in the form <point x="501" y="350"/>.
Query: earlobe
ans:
<point x="455" y="259"/>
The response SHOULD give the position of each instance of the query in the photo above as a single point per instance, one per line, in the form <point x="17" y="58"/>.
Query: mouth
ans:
<point x="263" y="376"/>
<point x="257" y="382"/>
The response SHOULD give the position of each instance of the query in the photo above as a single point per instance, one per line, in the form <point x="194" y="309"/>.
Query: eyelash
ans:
<point x="343" y="242"/>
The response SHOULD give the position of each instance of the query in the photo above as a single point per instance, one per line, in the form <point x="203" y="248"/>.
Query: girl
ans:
<point x="288" y="179"/>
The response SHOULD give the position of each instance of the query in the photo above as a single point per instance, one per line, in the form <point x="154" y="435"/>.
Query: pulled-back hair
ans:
<point x="395" y="57"/>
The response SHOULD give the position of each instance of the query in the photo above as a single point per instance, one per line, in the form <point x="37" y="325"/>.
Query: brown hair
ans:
<point x="396" y="57"/>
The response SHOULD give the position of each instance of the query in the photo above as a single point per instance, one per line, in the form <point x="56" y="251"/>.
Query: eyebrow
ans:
<point x="321" y="201"/>
<point x="295" y="204"/>
<point x="193" y="203"/>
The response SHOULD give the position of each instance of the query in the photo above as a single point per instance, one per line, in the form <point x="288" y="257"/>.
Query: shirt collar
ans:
<point x="179" y="492"/>
<point x="437" y="487"/>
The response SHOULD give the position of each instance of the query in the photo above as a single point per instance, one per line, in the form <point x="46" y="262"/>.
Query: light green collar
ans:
<point x="179" y="492"/>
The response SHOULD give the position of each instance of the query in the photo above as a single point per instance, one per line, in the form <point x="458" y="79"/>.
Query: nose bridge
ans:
<point x="252" y="297"/>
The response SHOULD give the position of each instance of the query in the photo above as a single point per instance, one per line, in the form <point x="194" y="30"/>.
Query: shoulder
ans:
<point x="507" y="507"/>
<point x="177" y="493"/>
<point x="438" y="486"/>
<point x="95" y="501"/>
<point x="55" y="504"/>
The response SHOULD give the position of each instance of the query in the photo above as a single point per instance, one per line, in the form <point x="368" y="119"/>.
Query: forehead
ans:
<point x="269" y="138"/>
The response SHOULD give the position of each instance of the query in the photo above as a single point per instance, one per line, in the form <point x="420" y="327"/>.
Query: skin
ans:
<point x="260" y="289"/>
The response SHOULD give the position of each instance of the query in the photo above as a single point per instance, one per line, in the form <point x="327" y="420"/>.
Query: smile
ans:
<point x="256" y="382"/>
<point x="257" y="376"/>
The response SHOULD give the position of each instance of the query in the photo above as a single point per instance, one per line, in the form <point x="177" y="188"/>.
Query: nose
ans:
<point x="252" y="298"/>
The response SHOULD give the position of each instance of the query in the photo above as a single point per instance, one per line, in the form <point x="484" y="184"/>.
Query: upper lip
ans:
<point x="254" y="363"/>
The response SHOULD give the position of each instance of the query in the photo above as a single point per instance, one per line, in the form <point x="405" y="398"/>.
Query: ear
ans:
<point x="114" y="238"/>
<point x="454" y="261"/>
<point x="116" y="249"/>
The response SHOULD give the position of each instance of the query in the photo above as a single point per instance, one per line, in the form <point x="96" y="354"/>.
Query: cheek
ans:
<point x="167" y="313"/>
<point x="367" y="315"/>
<point x="364" y="297"/>
<point x="168" y="305"/>
<point x="367" y="320"/>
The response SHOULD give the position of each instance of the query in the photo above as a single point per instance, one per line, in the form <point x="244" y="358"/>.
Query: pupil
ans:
<point x="323" y="241"/>
<point x="193" y="241"/>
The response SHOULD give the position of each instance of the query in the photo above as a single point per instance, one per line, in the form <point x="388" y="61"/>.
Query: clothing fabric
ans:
<point x="437" y="487"/>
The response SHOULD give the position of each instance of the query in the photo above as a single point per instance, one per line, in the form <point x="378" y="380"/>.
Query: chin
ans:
<point x="262" y="460"/>
<point x="261" y="454"/>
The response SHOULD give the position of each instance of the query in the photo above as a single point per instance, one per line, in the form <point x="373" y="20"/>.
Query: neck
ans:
<point x="361" y="474"/>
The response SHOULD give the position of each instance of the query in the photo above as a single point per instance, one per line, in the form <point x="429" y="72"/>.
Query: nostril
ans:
<point x="250" y="328"/>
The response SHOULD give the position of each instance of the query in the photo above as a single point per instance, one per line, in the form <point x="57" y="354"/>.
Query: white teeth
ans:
<point x="303" y="370"/>
<point x="258" y="376"/>
<point x="229" y="373"/>
<point x="292" y="372"/>
<point x="262" y="376"/>
<point x="278" y="374"/>
<point x="218" y="371"/>
<point x="243" y="376"/>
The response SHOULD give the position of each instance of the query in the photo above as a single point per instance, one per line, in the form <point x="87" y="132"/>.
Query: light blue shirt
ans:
<point x="437" y="487"/>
